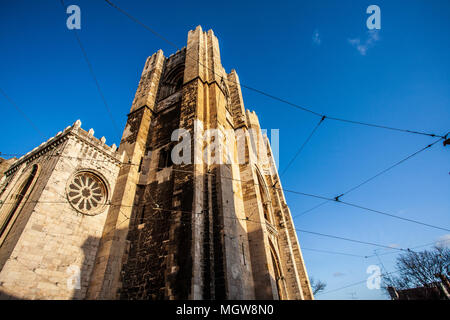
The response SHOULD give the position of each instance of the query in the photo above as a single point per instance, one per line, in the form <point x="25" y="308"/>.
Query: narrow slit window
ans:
<point x="140" y="164"/>
<point x="142" y="216"/>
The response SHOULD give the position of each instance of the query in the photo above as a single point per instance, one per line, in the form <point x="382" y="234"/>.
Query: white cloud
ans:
<point x="443" y="241"/>
<point x="373" y="37"/>
<point x="316" y="37"/>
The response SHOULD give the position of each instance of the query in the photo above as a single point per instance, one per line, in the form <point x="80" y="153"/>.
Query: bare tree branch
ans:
<point x="419" y="269"/>
<point x="317" y="286"/>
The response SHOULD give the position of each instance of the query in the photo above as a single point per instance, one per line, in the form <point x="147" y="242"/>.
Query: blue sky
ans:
<point x="302" y="51"/>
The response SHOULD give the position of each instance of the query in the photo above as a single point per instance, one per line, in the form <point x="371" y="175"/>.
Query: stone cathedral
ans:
<point x="189" y="206"/>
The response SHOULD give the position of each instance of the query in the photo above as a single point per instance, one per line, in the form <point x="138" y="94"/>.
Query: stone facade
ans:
<point x="46" y="242"/>
<point x="195" y="208"/>
<point x="4" y="165"/>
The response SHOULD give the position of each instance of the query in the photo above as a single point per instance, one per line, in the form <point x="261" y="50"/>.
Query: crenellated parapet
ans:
<point x="76" y="132"/>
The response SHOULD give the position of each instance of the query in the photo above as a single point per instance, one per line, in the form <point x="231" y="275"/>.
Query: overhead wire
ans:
<point x="330" y="199"/>
<point x="321" y="115"/>
<point x="23" y="114"/>
<point x="94" y="77"/>
<point x="373" y="177"/>
<point x="301" y="148"/>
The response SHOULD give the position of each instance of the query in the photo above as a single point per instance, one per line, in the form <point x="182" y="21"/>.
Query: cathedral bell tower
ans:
<point x="210" y="226"/>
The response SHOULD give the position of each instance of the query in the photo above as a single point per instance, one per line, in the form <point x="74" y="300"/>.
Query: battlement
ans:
<point x="89" y="135"/>
<point x="178" y="53"/>
<point x="76" y="131"/>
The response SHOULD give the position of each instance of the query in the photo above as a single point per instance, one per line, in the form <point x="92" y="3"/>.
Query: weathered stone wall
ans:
<point x="4" y="166"/>
<point x="50" y="242"/>
<point x="271" y="236"/>
<point x="145" y="264"/>
<point x="201" y="259"/>
<point x="205" y="229"/>
<point x="106" y="278"/>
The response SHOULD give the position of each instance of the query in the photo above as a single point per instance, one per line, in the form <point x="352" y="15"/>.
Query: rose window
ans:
<point x="87" y="193"/>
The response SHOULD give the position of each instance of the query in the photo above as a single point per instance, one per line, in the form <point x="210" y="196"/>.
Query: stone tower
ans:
<point x="189" y="207"/>
<point x="197" y="214"/>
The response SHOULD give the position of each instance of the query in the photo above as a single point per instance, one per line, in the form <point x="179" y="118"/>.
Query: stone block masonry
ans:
<point x="82" y="220"/>
<point x="47" y="246"/>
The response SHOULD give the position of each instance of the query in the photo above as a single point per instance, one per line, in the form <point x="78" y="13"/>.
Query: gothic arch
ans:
<point x="165" y="157"/>
<point x="278" y="274"/>
<point x="265" y="196"/>
<point x="17" y="199"/>
<point x="172" y="81"/>
<point x="226" y="92"/>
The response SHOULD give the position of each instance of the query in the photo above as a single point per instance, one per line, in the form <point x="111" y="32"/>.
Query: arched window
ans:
<point x="277" y="273"/>
<point x="16" y="200"/>
<point x="264" y="195"/>
<point x="179" y="84"/>
<point x="165" y="158"/>
<point x="227" y="95"/>
<point x="171" y="82"/>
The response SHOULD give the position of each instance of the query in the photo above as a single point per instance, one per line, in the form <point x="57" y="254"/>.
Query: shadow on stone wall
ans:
<point x="79" y="280"/>
<point x="5" y="296"/>
<point x="157" y="246"/>
<point x="89" y="247"/>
